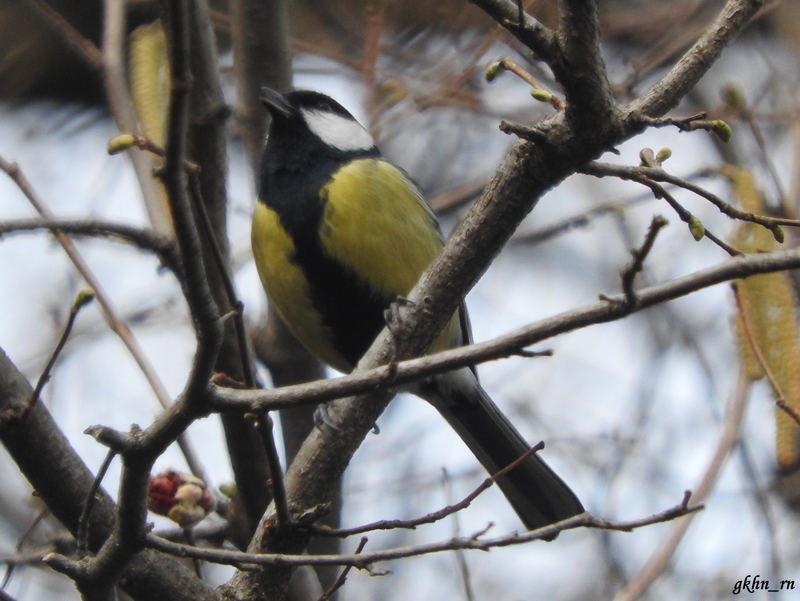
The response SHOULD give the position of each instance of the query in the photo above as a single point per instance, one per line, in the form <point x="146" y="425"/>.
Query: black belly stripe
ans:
<point x="351" y="311"/>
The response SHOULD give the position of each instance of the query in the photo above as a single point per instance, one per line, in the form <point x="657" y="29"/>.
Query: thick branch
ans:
<point x="580" y="68"/>
<point x="670" y="89"/>
<point x="63" y="482"/>
<point x="531" y="33"/>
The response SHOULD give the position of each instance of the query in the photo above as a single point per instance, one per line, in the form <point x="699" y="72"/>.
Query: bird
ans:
<point x="339" y="234"/>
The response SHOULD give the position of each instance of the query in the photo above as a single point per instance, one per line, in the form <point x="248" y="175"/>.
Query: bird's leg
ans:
<point x="322" y="417"/>
<point x="392" y="315"/>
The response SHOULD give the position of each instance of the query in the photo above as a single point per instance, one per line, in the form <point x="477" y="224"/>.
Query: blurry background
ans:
<point x="631" y="411"/>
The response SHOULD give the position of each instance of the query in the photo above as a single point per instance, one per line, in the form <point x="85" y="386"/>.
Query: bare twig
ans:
<point x="365" y="560"/>
<point x="225" y="276"/>
<point x="755" y="347"/>
<point x="226" y="399"/>
<point x="84" y="297"/>
<point x="630" y="271"/>
<point x="188" y="536"/>
<point x="637" y="174"/>
<point x="265" y="427"/>
<point x="84" y="48"/>
<point x="127" y="140"/>
<point x="737" y="102"/>
<point x="695" y="62"/>
<point x="32" y="556"/>
<point x="509" y="64"/>
<point x="657" y="174"/>
<point x="431" y="517"/>
<point x="142" y="238"/>
<point x="530" y="32"/>
<point x="118" y="326"/>
<point x="461" y="558"/>
<point x="340" y="580"/>
<point x="727" y="441"/>
<point x="791" y="411"/>
<point x="83" y="522"/>
<point x="531" y="134"/>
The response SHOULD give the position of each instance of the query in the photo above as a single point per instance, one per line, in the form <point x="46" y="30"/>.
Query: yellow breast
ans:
<point x="375" y="224"/>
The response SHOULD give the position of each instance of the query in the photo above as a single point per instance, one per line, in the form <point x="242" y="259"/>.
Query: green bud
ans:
<point x="780" y="238"/>
<point x="121" y="143"/>
<point x="722" y="130"/>
<point x="697" y="229"/>
<point x="541" y="95"/>
<point x="229" y="490"/>
<point x="647" y="157"/>
<point x="663" y="155"/>
<point x="493" y="70"/>
<point x="733" y="97"/>
<point x="84" y="297"/>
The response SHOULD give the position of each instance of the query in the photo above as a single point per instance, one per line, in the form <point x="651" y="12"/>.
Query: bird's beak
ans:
<point x="276" y="104"/>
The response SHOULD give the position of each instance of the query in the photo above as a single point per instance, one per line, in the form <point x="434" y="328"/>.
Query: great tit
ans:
<point x="339" y="234"/>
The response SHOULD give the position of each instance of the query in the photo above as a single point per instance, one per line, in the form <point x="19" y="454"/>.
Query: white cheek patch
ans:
<point x="337" y="131"/>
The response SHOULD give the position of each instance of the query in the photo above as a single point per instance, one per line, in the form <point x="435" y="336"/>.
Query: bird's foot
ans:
<point x="392" y="315"/>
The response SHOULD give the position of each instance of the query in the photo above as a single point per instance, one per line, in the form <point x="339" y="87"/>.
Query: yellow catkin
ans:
<point x="149" y="78"/>
<point x="150" y="83"/>
<point x="769" y="302"/>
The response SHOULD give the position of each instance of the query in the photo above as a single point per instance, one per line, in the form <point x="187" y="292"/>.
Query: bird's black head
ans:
<point x="314" y="121"/>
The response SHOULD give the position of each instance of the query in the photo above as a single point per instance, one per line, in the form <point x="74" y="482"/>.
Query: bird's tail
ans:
<point x="536" y="493"/>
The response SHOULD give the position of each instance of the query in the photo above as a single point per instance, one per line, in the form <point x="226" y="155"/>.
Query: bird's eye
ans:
<point x="325" y="106"/>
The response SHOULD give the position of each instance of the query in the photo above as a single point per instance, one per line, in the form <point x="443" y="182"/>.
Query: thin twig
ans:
<point x="195" y="194"/>
<point x="509" y="64"/>
<point x="84" y="297"/>
<point x="754" y="346"/>
<point x="771" y="223"/>
<point x="140" y="237"/>
<point x="685" y="124"/>
<point x="461" y="559"/>
<point x="431" y="517"/>
<point x="342" y="577"/>
<point x="791" y="411"/>
<point x="530" y="32"/>
<point x="531" y="134"/>
<point x="630" y="271"/>
<point x="365" y="560"/>
<point x="91" y="497"/>
<point x="265" y="429"/>
<point x="780" y="398"/>
<point x="118" y="326"/>
<point x="128" y="140"/>
<point x="188" y="535"/>
<point x="579" y="220"/>
<point x="727" y="441"/>
<point x="638" y="175"/>
<point x="696" y="61"/>
<point x="227" y="399"/>
<point x="35" y="556"/>
<point x="90" y="53"/>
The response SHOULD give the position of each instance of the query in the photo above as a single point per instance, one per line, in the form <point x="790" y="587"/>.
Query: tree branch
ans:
<point x="533" y="34"/>
<point x="59" y="476"/>
<point x="610" y="309"/>
<point x="670" y="89"/>
<point x="366" y="560"/>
